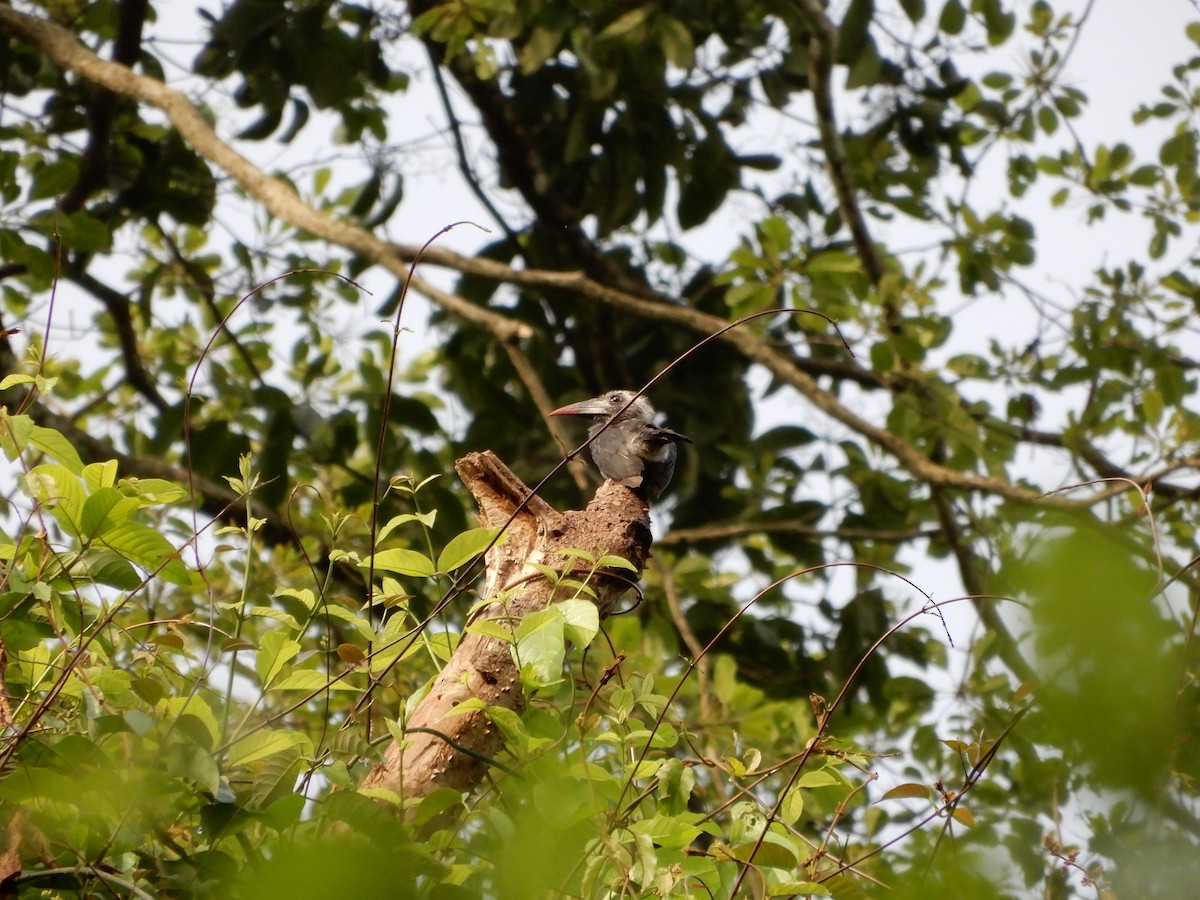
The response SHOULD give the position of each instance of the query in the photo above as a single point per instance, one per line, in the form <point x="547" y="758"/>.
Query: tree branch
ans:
<point x="521" y="160"/>
<point x="279" y="198"/>
<point x="460" y="150"/>
<point x="446" y="745"/>
<point x="61" y="46"/>
<point x="102" y="106"/>
<point x="822" y="48"/>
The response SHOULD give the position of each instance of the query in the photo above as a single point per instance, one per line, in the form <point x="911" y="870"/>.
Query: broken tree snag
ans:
<point x="447" y="748"/>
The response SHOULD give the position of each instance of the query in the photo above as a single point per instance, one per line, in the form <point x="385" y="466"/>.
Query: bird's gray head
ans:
<point x="627" y="446"/>
<point x="609" y="404"/>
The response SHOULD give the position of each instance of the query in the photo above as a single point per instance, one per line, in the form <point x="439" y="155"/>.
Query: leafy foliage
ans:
<point x="234" y="555"/>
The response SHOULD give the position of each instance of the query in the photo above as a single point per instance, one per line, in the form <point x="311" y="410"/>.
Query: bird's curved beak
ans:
<point x="594" y="407"/>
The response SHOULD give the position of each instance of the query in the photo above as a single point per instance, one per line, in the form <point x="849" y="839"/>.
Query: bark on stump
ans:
<point x="616" y="522"/>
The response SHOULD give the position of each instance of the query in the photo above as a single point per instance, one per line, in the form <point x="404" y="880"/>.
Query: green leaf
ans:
<point x="436" y="803"/>
<point x="853" y="32"/>
<point x="275" y="650"/>
<point x="194" y="706"/>
<point x="905" y="791"/>
<point x="100" y="475"/>
<point x="268" y="742"/>
<point x="59" y="489"/>
<point x="425" y="519"/>
<point x="79" y="231"/>
<point x="112" y="569"/>
<point x="311" y="681"/>
<point x="283" y="813"/>
<point x="963" y="815"/>
<point x="914" y="9"/>
<point x="798" y="888"/>
<point x="833" y="262"/>
<point x="153" y="491"/>
<point x="953" y="18"/>
<point x="402" y="562"/>
<point x="275" y="778"/>
<point x="54" y="180"/>
<point x="270" y="612"/>
<point x="509" y="723"/>
<point x="677" y="44"/>
<point x="625" y="26"/>
<point x="1000" y="24"/>
<point x="1152" y="406"/>
<point x="749" y="297"/>
<point x="57" y="447"/>
<point x="542" y="44"/>
<point x="581" y="620"/>
<point x="465" y="547"/>
<point x="867" y="66"/>
<point x="539" y="648"/>
<point x="667" y="831"/>
<point x="817" y="779"/>
<point x="490" y="628"/>
<point x="104" y="511"/>
<point x="357" y="621"/>
<point x="146" y="547"/>
<point x="609" y="561"/>
<point x="14" y="379"/>
<point x="393" y="639"/>
<point x="793" y="806"/>
<point x="1047" y="119"/>
<point x="304" y="597"/>
<point x="40" y="265"/>
<point x="195" y="761"/>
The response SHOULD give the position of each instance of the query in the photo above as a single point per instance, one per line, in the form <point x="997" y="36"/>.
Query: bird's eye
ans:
<point x="614" y="398"/>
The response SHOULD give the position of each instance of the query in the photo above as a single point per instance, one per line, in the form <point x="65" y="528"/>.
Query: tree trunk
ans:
<point x="452" y="748"/>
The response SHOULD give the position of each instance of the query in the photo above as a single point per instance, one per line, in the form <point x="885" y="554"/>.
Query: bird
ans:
<point x="633" y="450"/>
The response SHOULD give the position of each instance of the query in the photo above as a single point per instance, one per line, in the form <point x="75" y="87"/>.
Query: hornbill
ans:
<point x="632" y="451"/>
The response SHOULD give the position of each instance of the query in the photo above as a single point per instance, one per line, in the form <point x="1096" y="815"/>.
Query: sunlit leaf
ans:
<point x="310" y="681"/>
<point x="819" y="778"/>
<point x="464" y="547"/>
<point x="267" y="742"/>
<point x="963" y="815"/>
<point x="539" y="647"/>
<point x="401" y="561"/>
<point x="581" y="620"/>
<point x="275" y="650"/>
<point x="905" y="791"/>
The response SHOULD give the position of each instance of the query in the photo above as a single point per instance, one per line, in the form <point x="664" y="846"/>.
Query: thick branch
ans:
<point x="460" y="150"/>
<point x="974" y="574"/>
<point x="280" y="200"/>
<point x="444" y="746"/>
<point x="521" y="159"/>
<point x="102" y="107"/>
<point x="822" y="48"/>
<point x="61" y="46"/>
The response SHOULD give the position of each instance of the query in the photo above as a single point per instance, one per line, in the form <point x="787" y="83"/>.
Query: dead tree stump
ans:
<point x="450" y="749"/>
